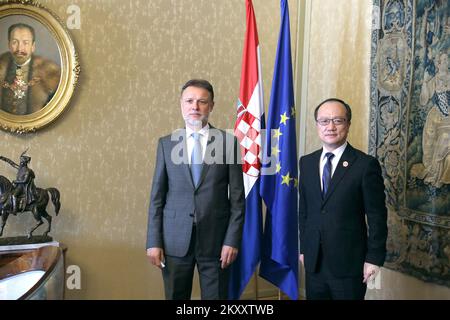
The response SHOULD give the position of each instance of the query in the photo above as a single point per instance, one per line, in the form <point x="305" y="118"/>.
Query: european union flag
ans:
<point x="279" y="256"/>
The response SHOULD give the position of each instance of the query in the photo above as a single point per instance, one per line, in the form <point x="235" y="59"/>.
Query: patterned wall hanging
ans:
<point x="410" y="131"/>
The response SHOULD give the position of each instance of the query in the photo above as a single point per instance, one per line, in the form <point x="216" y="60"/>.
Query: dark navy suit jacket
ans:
<point x="337" y="224"/>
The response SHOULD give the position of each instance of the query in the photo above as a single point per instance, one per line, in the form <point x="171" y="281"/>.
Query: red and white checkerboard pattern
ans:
<point x="248" y="132"/>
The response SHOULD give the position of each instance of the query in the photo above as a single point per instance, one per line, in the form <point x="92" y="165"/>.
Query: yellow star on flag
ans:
<point x="295" y="182"/>
<point x="286" y="179"/>
<point x="277" y="133"/>
<point x="284" y="118"/>
<point x="275" y="151"/>
<point x="278" y="168"/>
<point x="293" y="112"/>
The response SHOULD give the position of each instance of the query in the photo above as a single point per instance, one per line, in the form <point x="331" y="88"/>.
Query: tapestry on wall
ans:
<point x="410" y="131"/>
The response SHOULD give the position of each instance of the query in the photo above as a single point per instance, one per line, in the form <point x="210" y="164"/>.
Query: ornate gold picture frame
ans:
<point x="39" y="66"/>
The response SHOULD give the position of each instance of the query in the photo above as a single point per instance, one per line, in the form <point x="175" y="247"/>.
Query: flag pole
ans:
<point x="256" y="286"/>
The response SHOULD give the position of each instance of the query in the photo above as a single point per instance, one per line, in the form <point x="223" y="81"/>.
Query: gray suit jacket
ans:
<point x="218" y="202"/>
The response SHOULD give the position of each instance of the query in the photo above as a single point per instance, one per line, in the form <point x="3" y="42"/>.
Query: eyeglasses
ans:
<point x="201" y="102"/>
<point x="336" y="121"/>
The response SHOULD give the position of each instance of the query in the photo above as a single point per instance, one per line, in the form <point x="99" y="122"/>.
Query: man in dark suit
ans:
<point x="340" y="187"/>
<point x="197" y="201"/>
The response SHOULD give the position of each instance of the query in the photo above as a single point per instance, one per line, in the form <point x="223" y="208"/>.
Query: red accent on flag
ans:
<point x="247" y="127"/>
<point x="249" y="72"/>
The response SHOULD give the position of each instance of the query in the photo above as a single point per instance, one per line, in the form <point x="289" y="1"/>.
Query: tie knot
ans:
<point x="196" y="136"/>
<point x="329" y="155"/>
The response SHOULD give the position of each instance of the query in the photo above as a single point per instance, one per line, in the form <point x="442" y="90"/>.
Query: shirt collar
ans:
<point x="203" y="131"/>
<point x="337" y="152"/>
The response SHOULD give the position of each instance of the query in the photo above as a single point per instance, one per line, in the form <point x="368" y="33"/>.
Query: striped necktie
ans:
<point x="326" y="176"/>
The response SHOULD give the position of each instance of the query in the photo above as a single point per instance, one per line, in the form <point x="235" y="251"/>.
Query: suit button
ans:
<point x="323" y="211"/>
<point x="191" y="215"/>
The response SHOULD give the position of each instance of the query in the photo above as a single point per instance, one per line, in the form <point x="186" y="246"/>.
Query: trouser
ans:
<point x="179" y="272"/>
<point x="322" y="285"/>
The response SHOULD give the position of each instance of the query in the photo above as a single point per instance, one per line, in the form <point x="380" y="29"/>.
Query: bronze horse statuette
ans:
<point x="21" y="195"/>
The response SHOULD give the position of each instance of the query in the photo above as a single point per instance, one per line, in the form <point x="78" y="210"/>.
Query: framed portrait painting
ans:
<point x="39" y="67"/>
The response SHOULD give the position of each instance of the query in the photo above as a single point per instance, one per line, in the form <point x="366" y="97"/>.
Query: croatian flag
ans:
<point x="250" y="121"/>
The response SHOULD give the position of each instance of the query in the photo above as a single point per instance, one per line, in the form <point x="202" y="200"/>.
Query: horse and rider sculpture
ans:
<point x="21" y="195"/>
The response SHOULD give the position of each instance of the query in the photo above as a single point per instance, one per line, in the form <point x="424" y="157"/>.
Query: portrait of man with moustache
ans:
<point x="28" y="81"/>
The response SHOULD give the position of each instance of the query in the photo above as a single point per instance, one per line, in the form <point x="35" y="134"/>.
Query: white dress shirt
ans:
<point x="334" y="162"/>
<point x="204" y="133"/>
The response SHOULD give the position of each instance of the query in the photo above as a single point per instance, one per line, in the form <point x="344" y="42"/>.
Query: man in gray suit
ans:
<point x="197" y="201"/>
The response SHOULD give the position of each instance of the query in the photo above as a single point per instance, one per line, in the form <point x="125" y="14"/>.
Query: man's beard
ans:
<point x="20" y="58"/>
<point x="195" y="123"/>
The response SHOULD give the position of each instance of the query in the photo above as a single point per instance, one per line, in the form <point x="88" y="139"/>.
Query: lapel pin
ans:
<point x="345" y="164"/>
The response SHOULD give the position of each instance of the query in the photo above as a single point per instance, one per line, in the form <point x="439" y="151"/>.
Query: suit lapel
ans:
<point x="185" y="163"/>
<point x="210" y="153"/>
<point x="344" y="165"/>
<point x="316" y="172"/>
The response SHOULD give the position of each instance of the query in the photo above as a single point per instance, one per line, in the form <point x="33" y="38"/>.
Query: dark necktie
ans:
<point x="196" y="159"/>
<point x="326" y="176"/>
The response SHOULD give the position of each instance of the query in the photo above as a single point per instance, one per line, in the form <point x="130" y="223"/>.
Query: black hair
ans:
<point x="200" y="83"/>
<point x="348" y="110"/>
<point x="20" y="26"/>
